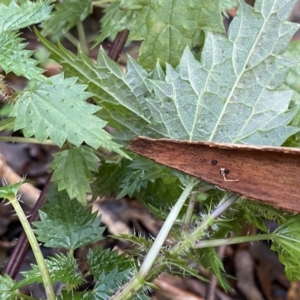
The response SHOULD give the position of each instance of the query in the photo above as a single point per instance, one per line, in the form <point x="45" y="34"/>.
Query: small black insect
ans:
<point x="214" y="162"/>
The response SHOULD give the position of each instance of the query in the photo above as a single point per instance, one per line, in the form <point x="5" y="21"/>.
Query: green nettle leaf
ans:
<point x="15" y="17"/>
<point x="141" y="178"/>
<point x="72" y="171"/>
<point x="13" y="57"/>
<point x="106" y="285"/>
<point x="110" y="270"/>
<point x="65" y="16"/>
<point x="286" y="242"/>
<point x="6" y="285"/>
<point x="292" y="83"/>
<point x="230" y="96"/>
<point x="63" y="268"/>
<point x="67" y="224"/>
<point x="120" y="95"/>
<point x="104" y="261"/>
<point x="71" y="295"/>
<point x="59" y="110"/>
<point x="165" y="27"/>
<point x="210" y="260"/>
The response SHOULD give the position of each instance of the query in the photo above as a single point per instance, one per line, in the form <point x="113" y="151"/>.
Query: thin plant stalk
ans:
<point x="163" y="233"/>
<point x="233" y="240"/>
<point x="17" y="257"/>
<point x="35" y="248"/>
<point x="138" y="281"/>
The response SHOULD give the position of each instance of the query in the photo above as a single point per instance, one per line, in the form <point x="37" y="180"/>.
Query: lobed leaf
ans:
<point x="67" y="224"/>
<point x="63" y="268"/>
<point x="72" y="171"/>
<point x="286" y="242"/>
<point x="14" y="17"/>
<point x="65" y="16"/>
<point x="13" y="57"/>
<point x="6" y="288"/>
<point x="59" y="110"/>
<point x="231" y="95"/>
<point x="165" y="27"/>
<point x="104" y="261"/>
<point x="117" y="93"/>
<point x="110" y="271"/>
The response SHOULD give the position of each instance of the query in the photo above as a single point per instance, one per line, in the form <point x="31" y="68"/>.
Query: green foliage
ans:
<point x="59" y="110"/>
<point x="191" y="82"/>
<point x="67" y="224"/>
<point x="140" y="178"/>
<point x="286" y="242"/>
<point x="104" y="261"/>
<point x="110" y="271"/>
<point x="66" y="15"/>
<point x="292" y="83"/>
<point x="198" y="101"/>
<point x="165" y="27"/>
<point x="63" y="268"/>
<point x="6" y="285"/>
<point x="72" y="171"/>
<point x="13" y="57"/>
<point x="210" y="260"/>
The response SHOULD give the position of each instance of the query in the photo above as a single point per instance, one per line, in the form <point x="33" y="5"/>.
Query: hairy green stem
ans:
<point x="199" y="231"/>
<point x="35" y="248"/>
<point x="163" y="233"/>
<point x="189" y="213"/>
<point x="138" y="281"/>
<point x="233" y="240"/>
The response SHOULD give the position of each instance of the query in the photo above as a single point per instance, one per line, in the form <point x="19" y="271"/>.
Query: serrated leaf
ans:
<point x="141" y="178"/>
<point x="229" y="97"/>
<point x="104" y="261"/>
<point x="209" y="259"/>
<point x="65" y="16"/>
<point x="13" y="57"/>
<point x="14" y="17"/>
<point x="292" y="83"/>
<point x="67" y="224"/>
<point x="72" y="171"/>
<point x="165" y="27"/>
<point x="286" y="241"/>
<point x="63" y="268"/>
<point x="110" y="270"/>
<point x="102" y="80"/>
<point x="59" y="110"/>
<point x="71" y="295"/>
<point x="6" y="285"/>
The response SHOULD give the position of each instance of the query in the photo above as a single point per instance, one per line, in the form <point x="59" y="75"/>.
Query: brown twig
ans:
<point x="118" y="45"/>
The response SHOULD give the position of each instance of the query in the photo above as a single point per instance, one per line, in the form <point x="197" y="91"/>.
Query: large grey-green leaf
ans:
<point x="59" y="110"/>
<point x="230" y="95"/>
